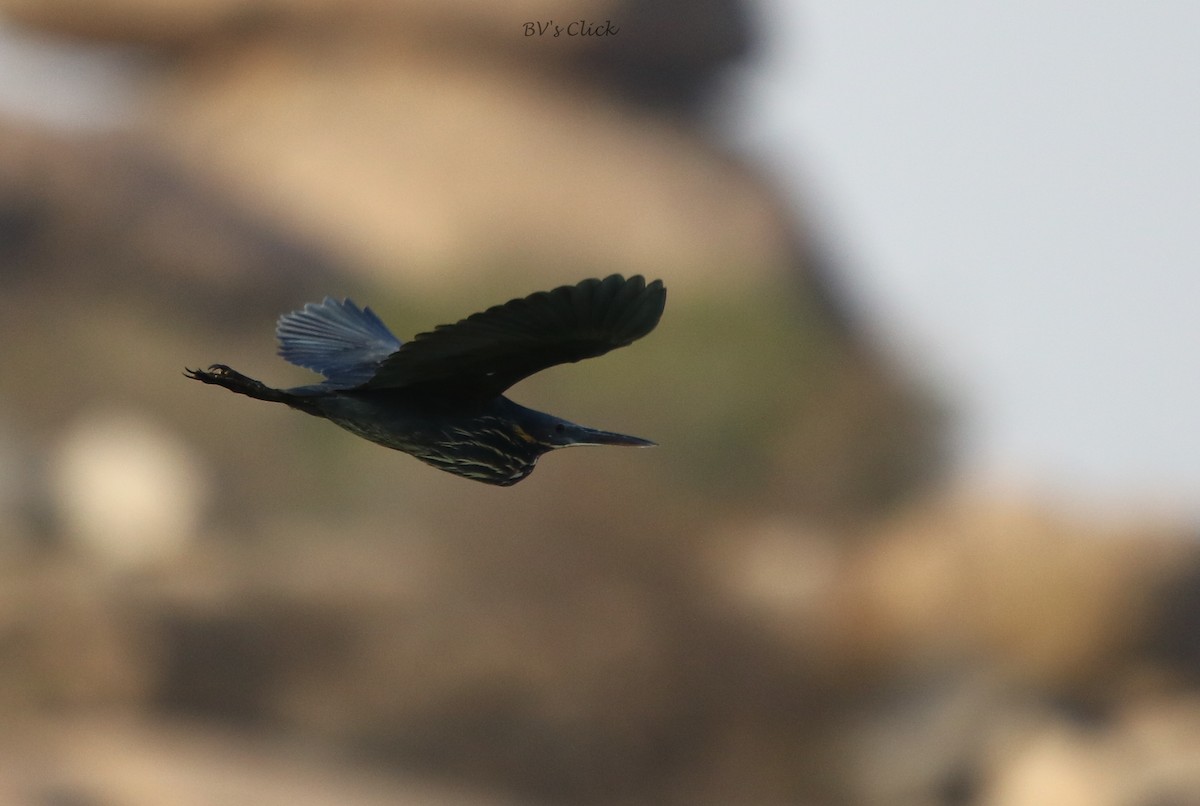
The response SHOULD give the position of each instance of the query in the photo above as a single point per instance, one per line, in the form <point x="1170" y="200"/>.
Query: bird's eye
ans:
<point x="559" y="428"/>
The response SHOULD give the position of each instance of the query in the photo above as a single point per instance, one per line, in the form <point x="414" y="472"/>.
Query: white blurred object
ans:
<point x="68" y="84"/>
<point x="127" y="490"/>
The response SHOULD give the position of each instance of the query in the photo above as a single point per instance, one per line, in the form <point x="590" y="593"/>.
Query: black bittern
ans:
<point x="439" y="397"/>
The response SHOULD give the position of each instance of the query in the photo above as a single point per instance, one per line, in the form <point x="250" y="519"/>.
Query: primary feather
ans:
<point x="489" y="351"/>
<point x="341" y="341"/>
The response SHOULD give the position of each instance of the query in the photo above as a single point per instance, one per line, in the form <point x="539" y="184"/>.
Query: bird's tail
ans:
<point x="234" y="381"/>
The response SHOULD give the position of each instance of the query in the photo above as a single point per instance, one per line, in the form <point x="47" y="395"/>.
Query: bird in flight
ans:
<point x="439" y="396"/>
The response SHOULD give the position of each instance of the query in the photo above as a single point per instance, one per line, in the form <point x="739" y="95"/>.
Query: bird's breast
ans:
<point x="483" y="447"/>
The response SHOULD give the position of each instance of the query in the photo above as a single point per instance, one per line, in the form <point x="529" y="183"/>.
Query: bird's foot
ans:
<point x="214" y="374"/>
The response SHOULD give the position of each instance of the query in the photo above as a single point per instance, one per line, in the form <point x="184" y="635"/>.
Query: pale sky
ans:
<point x="1015" y="189"/>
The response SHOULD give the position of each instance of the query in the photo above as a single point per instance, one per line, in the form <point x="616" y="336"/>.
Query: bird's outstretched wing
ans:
<point x="488" y="352"/>
<point x="341" y="341"/>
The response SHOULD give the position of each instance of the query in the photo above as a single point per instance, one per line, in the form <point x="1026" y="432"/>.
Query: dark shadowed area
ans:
<point x="210" y="600"/>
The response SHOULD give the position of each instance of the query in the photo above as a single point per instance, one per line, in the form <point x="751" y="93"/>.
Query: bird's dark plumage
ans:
<point x="439" y="396"/>
<point x="488" y="352"/>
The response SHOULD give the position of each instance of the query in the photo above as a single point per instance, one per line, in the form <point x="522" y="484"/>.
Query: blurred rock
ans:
<point x="15" y="482"/>
<point x="1171" y="642"/>
<point x="1150" y="754"/>
<point x="107" y="759"/>
<point x="110" y="217"/>
<point x="1059" y="765"/>
<point x="289" y="147"/>
<point x="432" y="142"/>
<point x="666" y="53"/>
<point x="785" y="579"/>
<point x="1042" y="598"/>
<point x="1053" y="601"/>
<point x="983" y="651"/>
<point x="968" y="653"/>
<point x="129" y="493"/>
<point x="71" y="643"/>
<point x="166" y="23"/>
<point x="433" y="165"/>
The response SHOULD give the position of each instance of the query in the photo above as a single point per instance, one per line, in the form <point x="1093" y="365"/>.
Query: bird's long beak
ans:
<point x="582" y="435"/>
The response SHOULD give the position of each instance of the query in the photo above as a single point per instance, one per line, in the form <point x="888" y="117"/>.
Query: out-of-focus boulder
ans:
<point x="113" y="217"/>
<point x="166" y="23"/>
<point x="70" y="644"/>
<point x="435" y="142"/>
<point x="1148" y="753"/>
<point x="435" y="164"/>
<point x="1052" y="600"/>
<point x="1047" y="600"/>
<point x="105" y="758"/>
<point x="435" y="153"/>
<point x="128" y="491"/>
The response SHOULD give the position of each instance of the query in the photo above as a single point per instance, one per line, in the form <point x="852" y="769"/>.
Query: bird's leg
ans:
<point x="234" y="381"/>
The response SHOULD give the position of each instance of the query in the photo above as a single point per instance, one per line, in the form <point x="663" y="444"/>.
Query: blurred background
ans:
<point x="921" y="525"/>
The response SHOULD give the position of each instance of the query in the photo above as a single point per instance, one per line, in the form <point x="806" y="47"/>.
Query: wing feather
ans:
<point x="341" y="341"/>
<point x="489" y="351"/>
